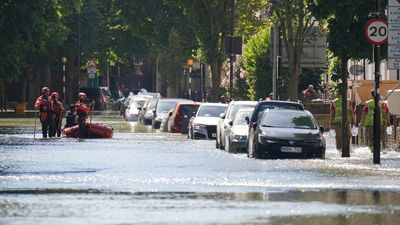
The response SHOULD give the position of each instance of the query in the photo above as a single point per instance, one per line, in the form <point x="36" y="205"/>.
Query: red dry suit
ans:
<point x="43" y="104"/>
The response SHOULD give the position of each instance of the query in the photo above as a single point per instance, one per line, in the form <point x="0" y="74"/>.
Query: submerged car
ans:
<point x="133" y="108"/>
<point x="163" y="107"/>
<point x="287" y="133"/>
<point x="204" y="123"/>
<point x="227" y="117"/>
<point x="180" y="116"/>
<point x="236" y="132"/>
<point x="259" y="109"/>
<point x="146" y="113"/>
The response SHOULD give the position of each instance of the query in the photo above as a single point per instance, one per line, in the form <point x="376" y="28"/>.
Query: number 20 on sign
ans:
<point x="376" y="31"/>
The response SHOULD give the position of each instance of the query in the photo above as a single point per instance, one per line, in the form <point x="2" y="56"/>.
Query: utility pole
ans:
<point x="231" y="55"/>
<point x="376" y="128"/>
<point x="274" y="61"/>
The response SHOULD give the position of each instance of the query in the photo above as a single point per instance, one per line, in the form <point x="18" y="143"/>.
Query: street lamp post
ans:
<point x="190" y="64"/>
<point x="63" y="61"/>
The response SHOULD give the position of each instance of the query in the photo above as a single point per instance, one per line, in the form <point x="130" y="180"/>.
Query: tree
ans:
<point x="257" y="65"/>
<point x="295" y="21"/>
<point x="345" y="21"/>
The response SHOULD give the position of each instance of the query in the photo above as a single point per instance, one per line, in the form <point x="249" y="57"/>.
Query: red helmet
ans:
<point x="45" y="90"/>
<point x="81" y="95"/>
<point x="55" y="94"/>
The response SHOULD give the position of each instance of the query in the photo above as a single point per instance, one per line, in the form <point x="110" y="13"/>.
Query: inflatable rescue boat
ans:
<point x="95" y="130"/>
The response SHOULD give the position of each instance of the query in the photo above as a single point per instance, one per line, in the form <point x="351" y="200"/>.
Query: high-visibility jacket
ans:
<point x="338" y="112"/>
<point x="369" y="116"/>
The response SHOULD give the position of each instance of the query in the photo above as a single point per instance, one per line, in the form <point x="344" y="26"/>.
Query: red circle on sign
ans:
<point x="369" y="25"/>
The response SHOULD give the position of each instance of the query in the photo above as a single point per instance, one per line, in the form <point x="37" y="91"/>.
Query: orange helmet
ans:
<point x="55" y="94"/>
<point x="81" y="95"/>
<point x="45" y="90"/>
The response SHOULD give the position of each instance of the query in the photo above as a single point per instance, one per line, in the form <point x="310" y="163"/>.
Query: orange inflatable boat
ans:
<point x="97" y="130"/>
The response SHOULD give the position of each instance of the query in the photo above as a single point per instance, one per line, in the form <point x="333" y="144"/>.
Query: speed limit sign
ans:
<point x="376" y="31"/>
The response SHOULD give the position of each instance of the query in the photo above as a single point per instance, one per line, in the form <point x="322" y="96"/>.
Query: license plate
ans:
<point x="291" y="149"/>
<point x="213" y="135"/>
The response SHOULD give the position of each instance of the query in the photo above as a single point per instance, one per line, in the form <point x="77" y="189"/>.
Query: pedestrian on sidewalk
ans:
<point x="43" y="104"/>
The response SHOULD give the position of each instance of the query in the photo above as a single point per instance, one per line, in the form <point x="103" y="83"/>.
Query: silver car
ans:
<point x="204" y="124"/>
<point x="237" y="131"/>
<point x="228" y="117"/>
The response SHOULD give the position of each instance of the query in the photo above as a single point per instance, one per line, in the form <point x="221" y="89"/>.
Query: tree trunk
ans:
<point x="216" y="66"/>
<point x="345" y="125"/>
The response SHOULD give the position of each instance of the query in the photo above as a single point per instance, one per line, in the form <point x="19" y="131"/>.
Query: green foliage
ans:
<point x="256" y="61"/>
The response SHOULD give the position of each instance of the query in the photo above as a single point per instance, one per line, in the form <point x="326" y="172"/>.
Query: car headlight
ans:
<point x="262" y="138"/>
<point x="199" y="126"/>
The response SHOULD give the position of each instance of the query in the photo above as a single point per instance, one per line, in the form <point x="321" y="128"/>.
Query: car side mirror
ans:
<point x="322" y="130"/>
<point x="247" y="119"/>
<point x="154" y="111"/>
<point x="194" y="114"/>
<point x="139" y="108"/>
<point x="170" y="113"/>
<point x="222" y="115"/>
<point x="230" y="123"/>
<point x="255" y="125"/>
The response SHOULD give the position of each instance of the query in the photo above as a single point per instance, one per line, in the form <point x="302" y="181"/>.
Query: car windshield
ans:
<point x="240" y="118"/>
<point x="165" y="106"/>
<point x="234" y="109"/>
<point x="152" y="104"/>
<point x="187" y="109"/>
<point x="211" y="110"/>
<point x="139" y="103"/>
<point x="288" y="120"/>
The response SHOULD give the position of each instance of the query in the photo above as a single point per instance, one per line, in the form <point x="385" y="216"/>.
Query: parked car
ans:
<point x="164" y="121"/>
<point x="180" y="116"/>
<point x="100" y="95"/>
<point x="287" y="133"/>
<point x="162" y="108"/>
<point x="227" y="117"/>
<point x="134" y="105"/>
<point x="146" y="113"/>
<point x="259" y="109"/>
<point x="236" y="132"/>
<point x="204" y="123"/>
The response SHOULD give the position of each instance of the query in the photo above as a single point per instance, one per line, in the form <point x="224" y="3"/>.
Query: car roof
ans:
<point x="289" y="111"/>
<point x="243" y="103"/>
<point x="175" y="99"/>
<point x="213" y="104"/>
<point x="263" y="102"/>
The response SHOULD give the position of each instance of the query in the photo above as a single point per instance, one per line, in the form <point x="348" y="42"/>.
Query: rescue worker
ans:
<point x="43" y="104"/>
<point x="367" y="120"/>
<point x="82" y="110"/>
<point x="336" y="120"/>
<point x="57" y="108"/>
<point x="71" y="117"/>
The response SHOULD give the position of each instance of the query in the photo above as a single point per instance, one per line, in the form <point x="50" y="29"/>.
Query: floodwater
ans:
<point x="146" y="177"/>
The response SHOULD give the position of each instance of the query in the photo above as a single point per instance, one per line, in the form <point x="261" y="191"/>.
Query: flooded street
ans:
<point x="146" y="177"/>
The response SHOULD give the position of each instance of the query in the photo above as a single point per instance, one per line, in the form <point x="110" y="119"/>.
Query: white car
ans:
<point x="237" y="131"/>
<point x="133" y="107"/>
<point x="204" y="123"/>
<point x="228" y="117"/>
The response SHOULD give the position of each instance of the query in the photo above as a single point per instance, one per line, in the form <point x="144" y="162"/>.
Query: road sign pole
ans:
<point x="376" y="128"/>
